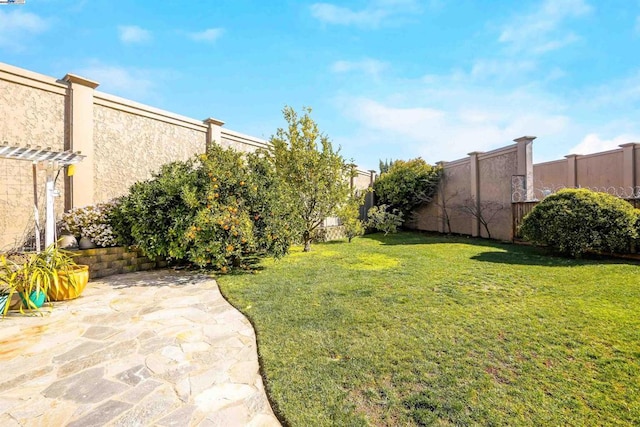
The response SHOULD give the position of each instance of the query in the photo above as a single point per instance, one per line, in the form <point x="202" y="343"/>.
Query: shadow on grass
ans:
<point x="541" y="257"/>
<point x="505" y="252"/>
<point x="410" y="237"/>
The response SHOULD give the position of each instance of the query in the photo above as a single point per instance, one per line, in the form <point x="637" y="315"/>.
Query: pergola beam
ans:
<point x="38" y="154"/>
<point x="54" y="159"/>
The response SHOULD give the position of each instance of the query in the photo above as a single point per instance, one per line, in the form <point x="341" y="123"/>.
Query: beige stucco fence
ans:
<point x="123" y="141"/>
<point x="500" y="187"/>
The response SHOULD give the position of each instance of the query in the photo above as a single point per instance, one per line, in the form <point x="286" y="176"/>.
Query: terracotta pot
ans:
<point x="70" y="284"/>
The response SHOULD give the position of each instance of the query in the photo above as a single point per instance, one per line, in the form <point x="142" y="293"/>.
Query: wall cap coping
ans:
<point x="509" y="149"/>
<point x="457" y="162"/>
<point x="72" y="78"/>
<point x="629" y="144"/>
<point x="525" y="138"/>
<point x="213" y="121"/>
<point x="558" y="161"/>
<point x="32" y="79"/>
<point x="475" y="153"/>
<point x="568" y="156"/>
<point x="241" y="137"/>
<point x="617" y="151"/>
<point x="123" y="104"/>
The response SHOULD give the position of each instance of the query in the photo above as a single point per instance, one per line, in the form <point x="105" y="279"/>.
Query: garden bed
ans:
<point x="104" y="262"/>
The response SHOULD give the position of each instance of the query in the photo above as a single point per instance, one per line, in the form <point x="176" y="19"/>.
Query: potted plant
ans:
<point x="32" y="280"/>
<point x="7" y="284"/>
<point x="51" y="274"/>
<point x="71" y="278"/>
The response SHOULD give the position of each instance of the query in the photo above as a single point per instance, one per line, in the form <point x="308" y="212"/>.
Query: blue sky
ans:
<point x="385" y="78"/>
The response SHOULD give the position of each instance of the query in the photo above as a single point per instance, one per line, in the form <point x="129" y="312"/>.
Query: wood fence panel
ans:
<point x="518" y="211"/>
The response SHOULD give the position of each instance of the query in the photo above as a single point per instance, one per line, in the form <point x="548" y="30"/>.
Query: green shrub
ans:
<point x="383" y="218"/>
<point x="407" y="184"/>
<point x="575" y="221"/>
<point x="637" y="239"/>
<point x="120" y="223"/>
<point x="349" y="214"/>
<point x="221" y="210"/>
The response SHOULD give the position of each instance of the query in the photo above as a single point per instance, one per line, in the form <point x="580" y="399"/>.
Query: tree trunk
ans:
<point x="486" y="227"/>
<point x="306" y="238"/>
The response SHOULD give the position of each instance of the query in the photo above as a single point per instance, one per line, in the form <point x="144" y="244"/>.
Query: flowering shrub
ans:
<point x="92" y="222"/>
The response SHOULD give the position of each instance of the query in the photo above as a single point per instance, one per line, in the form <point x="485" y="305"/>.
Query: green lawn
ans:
<point x="416" y="330"/>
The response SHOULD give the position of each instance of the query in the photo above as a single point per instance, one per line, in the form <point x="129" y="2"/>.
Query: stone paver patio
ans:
<point x="150" y="348"/>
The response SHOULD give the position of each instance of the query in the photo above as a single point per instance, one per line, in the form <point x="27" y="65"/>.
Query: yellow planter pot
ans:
<point x="71" y="283"/>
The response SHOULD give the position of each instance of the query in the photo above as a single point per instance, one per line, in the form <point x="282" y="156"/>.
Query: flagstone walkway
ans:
<point x="149" y="348"/>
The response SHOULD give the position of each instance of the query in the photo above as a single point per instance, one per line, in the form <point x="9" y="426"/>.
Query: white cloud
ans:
<point x="123" y="81"/>
<point x="372" y="15"/>
<point x="544" y="30"/>
<point x="371" y="67"/>
<point x="17" y="25"/>
<point x="620" y="93"/>
<point x="133" y="34"/>
<point x="209" y="35"/>
<point x="593" y="143"/>
<point x="550" y="45"/>
<point x="501" y="69"/>
<point x="437" y="131"/>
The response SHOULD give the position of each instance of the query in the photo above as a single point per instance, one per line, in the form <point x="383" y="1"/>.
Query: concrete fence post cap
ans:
<point x="525" y="138"/>
<point x="212" y="121"/>
<point x="72" y="78"/>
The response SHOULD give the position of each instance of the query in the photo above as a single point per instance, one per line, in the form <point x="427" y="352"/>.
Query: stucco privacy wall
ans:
<point x="636" y="156"/>
<point x="615" y="171"/>
<point x="122" y="141"/>
<point x="480" y="183"/>
<point x="131" y="141"/>
<point x="363" y="179"/>
<point x="241" y="142"/>
<point x="600" y="169"/>
<point x="32" y="112"/>
<point x="550" y="173"/>
<point x="443" y="212"/>
<point x="495" y="171"/>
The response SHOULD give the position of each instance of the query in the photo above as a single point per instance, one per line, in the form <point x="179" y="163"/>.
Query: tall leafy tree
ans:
<point x="407" y="184"/>
<point x="385" y="165"/>
<point x="316" y="175"/>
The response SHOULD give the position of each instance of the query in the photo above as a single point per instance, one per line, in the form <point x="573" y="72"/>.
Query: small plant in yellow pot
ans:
<point x="51" y="274"/>
<point x="71" y="278"/>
